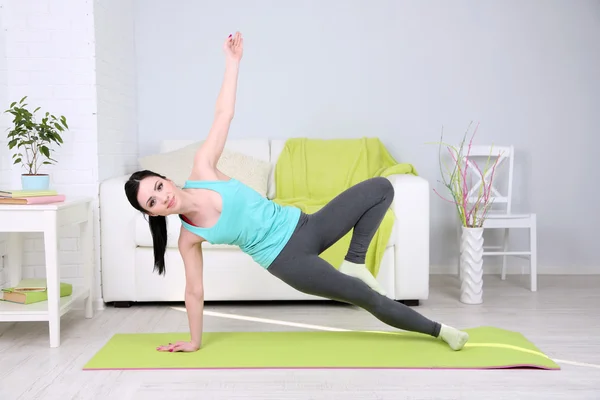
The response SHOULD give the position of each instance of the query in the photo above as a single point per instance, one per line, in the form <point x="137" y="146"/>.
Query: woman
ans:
<point x="282" y="239"/>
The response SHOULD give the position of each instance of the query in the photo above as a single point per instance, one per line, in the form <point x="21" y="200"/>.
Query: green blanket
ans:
<point x="311" y="172"/>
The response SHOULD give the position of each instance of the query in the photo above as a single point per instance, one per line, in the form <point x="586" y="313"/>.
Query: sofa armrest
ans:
<point x="411" y="249"/>
<point x="117" y="235"/>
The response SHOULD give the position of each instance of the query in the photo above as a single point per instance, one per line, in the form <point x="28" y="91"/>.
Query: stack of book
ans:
<point x="33" y="291"/>
<point x="30" y="197"/>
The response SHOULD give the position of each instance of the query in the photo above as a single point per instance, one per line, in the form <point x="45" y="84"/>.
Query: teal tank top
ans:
<point x="260" y="227"/>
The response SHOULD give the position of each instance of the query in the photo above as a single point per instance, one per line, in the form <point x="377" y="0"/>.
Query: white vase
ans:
<point x="471" y="265"/>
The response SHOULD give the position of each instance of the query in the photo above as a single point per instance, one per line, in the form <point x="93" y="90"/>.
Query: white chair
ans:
<point x="503" y="218"/>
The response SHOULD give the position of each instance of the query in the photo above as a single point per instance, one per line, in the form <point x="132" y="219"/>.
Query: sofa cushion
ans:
<point x="143" y="237"/>
<point x="177" y="165"/>
<point x="255" y="147"/>
<point x="277" y="146"/>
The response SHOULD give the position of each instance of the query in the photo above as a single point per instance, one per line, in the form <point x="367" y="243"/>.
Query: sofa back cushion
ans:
<point x="257" y="148"/>
<point x="246" y="160"/>
<point x="277" y="146"/>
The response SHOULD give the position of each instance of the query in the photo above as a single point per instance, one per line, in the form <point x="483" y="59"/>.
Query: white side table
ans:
<point x="48" y="218"/>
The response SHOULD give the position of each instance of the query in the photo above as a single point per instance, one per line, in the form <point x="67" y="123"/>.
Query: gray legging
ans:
<point x="361" y="207"/>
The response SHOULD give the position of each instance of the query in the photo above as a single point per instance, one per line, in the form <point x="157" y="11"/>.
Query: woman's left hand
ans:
<point x="179" y="346"/>
<point x="234" y="47"/>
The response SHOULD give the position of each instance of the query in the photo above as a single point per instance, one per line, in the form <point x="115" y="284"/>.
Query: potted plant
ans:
<point x="33" y="140"/>
<point x="472" y="209"/>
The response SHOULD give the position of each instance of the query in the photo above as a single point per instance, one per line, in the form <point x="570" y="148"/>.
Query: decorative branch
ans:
<point x="470" y="214"/>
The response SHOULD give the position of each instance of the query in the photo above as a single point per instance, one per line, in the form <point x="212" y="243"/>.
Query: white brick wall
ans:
<point x="116" y="89"/>
<point x="4" y="155"/>
<point x="74" y="58"/>
<point x="50" y="57"/>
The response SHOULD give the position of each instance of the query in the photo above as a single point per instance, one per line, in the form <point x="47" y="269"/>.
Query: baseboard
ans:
<point x="517" y="270"/>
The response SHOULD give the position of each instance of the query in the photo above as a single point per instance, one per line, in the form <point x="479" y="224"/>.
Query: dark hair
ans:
<point x="158" y="224"/>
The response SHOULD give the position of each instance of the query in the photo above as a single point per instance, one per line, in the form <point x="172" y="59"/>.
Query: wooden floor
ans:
<point x="562" y="319"/>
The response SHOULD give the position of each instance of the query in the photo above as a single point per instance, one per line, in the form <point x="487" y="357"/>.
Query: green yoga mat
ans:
<point x="487" y="348"/>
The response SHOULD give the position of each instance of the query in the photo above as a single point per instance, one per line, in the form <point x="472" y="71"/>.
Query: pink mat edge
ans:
<point x="516" y="366"/>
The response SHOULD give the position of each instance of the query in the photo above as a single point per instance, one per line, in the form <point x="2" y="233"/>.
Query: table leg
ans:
<point x="88" y="259"/>
<point x="15" y="258"/>
<point x="52" y="277"/>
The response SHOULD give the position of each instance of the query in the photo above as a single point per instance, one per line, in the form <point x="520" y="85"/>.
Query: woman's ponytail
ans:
<point x="158" y="229"/>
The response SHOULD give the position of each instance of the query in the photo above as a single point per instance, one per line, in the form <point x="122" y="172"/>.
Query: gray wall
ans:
<point x="528" y="71"/>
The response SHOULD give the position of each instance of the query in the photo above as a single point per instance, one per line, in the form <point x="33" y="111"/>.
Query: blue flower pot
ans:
<point x="35" y="182"/>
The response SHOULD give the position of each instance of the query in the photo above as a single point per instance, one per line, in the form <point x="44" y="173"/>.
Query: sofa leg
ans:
<point x="409" y="303"/>
<point x="122" y="304"/>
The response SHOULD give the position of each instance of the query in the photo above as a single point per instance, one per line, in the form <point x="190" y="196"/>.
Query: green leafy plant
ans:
<point x="33" y="139"/>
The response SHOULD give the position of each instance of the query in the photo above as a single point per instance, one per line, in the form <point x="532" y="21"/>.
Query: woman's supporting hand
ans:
<point x="234" y="47"/>
<point x="179" y="346"/>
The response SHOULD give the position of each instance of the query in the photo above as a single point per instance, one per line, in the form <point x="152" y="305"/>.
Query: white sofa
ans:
<point x="127" y="257"/>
